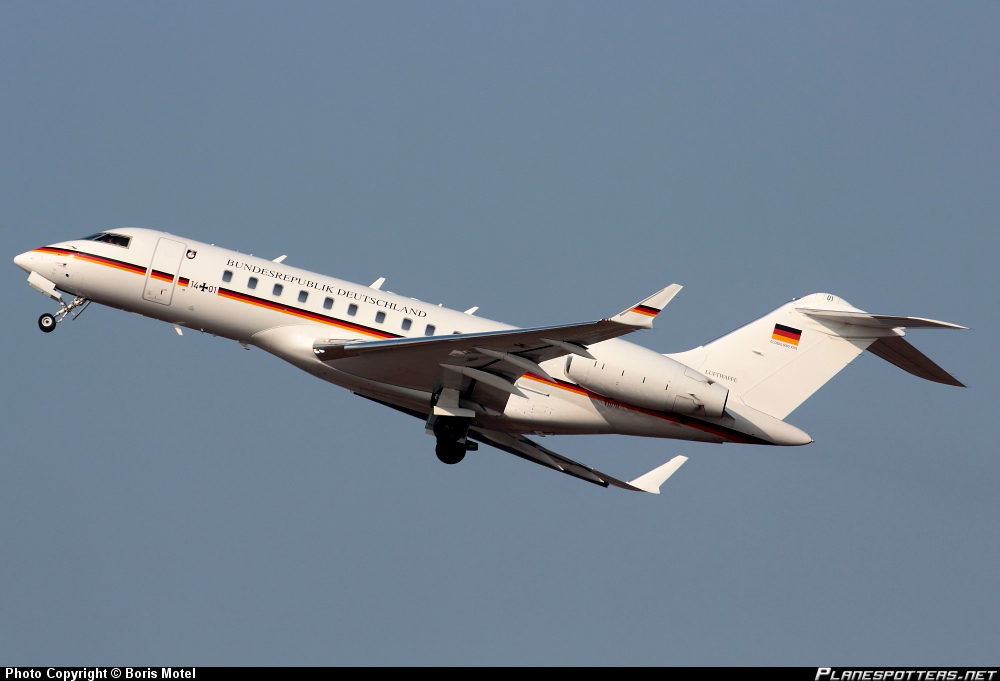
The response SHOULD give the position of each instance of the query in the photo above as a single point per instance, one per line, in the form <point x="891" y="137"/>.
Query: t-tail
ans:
<point x="774" y="364"/>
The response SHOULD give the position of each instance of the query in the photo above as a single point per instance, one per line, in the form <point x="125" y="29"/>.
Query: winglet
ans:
<point x="651" y="481"/>
<point x="642" y="314"/>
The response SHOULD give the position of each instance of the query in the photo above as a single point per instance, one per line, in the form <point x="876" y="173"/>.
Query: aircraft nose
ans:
<point x="24" y="261"/>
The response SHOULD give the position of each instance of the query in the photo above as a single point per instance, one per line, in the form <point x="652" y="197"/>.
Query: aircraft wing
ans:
<point x="496" y="358"/>
<point x="518" y="445"/>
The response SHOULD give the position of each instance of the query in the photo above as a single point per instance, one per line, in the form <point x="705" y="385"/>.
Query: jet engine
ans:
<point x="651" y="381"/>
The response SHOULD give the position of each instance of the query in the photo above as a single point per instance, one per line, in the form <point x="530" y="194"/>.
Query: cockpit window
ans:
<point x="108" y="238"/>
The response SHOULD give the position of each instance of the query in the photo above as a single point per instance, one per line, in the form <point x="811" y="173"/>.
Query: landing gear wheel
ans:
<point x="448" y="428"/>
<point x="47" y="323"/>
<point x="450" y="452"/>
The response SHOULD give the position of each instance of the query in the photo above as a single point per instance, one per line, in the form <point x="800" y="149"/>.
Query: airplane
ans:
<point x="472" y="380"/>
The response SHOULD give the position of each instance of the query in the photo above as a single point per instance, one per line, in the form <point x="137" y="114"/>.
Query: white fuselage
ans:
<point x="284" y="310"/>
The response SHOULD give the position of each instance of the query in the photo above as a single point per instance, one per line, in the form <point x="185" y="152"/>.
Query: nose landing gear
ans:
<point x="47" y="322"/>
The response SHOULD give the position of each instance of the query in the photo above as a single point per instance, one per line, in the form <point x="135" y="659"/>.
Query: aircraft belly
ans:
<point x="645" y="425"/>
<point x="624" y="419"/>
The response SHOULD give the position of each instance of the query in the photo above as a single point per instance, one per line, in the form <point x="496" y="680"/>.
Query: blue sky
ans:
<point x="183" y="501"/>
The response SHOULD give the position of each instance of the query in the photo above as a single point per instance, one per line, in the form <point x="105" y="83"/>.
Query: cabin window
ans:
<point x="407" y="323"/>
<point x="276" y="291"/>
<point x="252" y="282"/>
<point x="380" y="317"/>
<point x="303" y="296"/>
<point x="352" y="309"/>
<point x="227" y="276"/>
<point x="113" y="239"/>
<point x="328" y="303"/>
<point x="429" y="331"/>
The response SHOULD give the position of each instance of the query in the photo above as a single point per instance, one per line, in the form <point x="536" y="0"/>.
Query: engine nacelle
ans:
<point x="651" y="381"/>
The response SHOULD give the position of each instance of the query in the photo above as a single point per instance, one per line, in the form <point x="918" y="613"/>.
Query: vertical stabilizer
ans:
<point x="776" y="362"/>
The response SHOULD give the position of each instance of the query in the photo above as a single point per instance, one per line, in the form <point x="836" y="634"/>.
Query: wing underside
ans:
<point x="527" y="449"/>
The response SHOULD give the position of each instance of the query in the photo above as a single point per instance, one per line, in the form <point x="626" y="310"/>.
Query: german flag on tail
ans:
<point x="786" y="334"/>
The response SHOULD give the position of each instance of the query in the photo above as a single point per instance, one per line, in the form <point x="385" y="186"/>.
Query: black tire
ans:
<point x="450" y="428"/>
<point x="450" y="452"/>
<point x="47" y="323"/>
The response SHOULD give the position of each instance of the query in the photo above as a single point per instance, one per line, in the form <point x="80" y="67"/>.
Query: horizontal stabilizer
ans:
<point x="878" y="321"/>
<point x="642" y="314"/>
<point x="897" y="350"/>
<point x="651" y="481"/>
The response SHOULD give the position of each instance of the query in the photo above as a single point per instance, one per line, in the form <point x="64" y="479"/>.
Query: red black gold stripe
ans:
<point x="96" y="259"/>
<point x="786" y="334"/>
<point x="111" y="262"/>
<point x="704" y="426"/>
<point x="55" y="251"/>
<point x="306" y="314"/>
<point x="225" y="293"/>
<point x="646" y="310"/>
